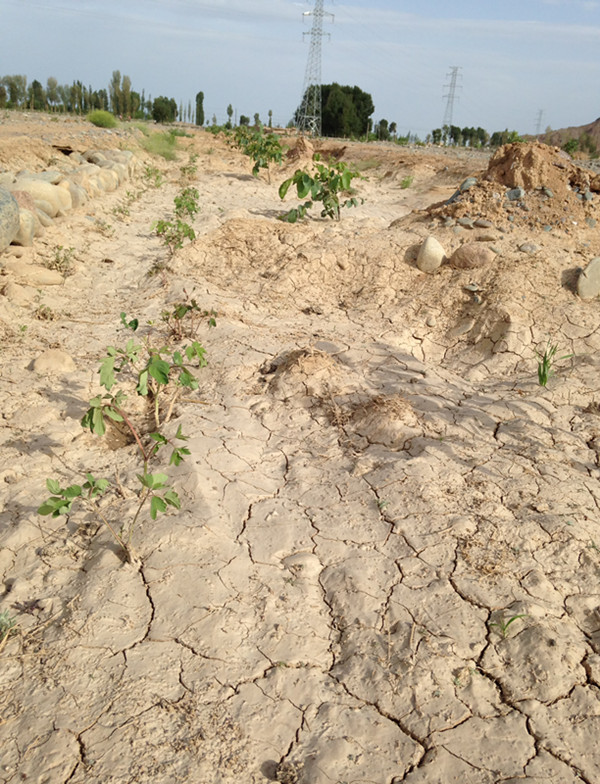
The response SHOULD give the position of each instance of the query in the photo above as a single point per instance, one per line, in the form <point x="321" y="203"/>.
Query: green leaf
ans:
<point x="157" y="505"/>
<point x="107" y="373"/>
<point x="142" y="387"/>
<point x="73" y="491"/>
<point x="159" y="370"/>
<point x="97" y="425"/>
<point x="346" y="179"/>
<point x="305" y="185"/>
<point x="112" y="414"/>
<point x="172" y="499"/>
<point x="159" y="438"/>
<point x="284" y="187"/>
<point x="158" y="480"/>
<point x="53" y="486"/>
<point x="180" y="436"/>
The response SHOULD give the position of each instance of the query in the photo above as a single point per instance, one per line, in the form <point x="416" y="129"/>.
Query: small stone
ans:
<point x="514" y="194"/>
<point x="466" y="222"/>
<point x="431" y="321"/>
<point x="588" y="283"/>
<point x="53" y="361"/>
<point x="529" y="247"/>
<point x="431" y="255"/>
<point x="466" y="184"/>
<point x="547" y="192"/>
<point x="591" y="222"/>
<point x="588" y="196"/>
<point x="471" y="256"/>
<point x="547" y="228"/>
<point x="482" y="223"/>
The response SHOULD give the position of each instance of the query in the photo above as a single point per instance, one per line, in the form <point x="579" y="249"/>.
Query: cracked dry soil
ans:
<point x="377" y="486"/>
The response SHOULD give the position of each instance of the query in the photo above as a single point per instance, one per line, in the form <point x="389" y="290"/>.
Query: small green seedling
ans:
<point x="151" y="371"/>
<point x="504" y="624"/>
<point x="184" y="319"/>
<point x="263" y="148"/>
<point x="325" y="185"/>
<point x="190" y="169"/>
<point x="175" y="232"/>
<point x="546" y="362"/>
<point x="153" y="176"/>
<point x="62" y="261"/>
<point x="406" y="182"/>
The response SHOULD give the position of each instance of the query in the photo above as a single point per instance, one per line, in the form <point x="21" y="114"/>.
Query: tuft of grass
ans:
<point x="407" y="182"/>
<point x="546" y="362"/>
<point x="8" y="625"/>
<point x="503" y="623"/>
<point x="62" y="261"/>
<point x="102" y="119"/>
<point x="162" y="144"/>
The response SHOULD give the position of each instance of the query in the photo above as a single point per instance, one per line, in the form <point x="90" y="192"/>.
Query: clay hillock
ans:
<point x="527" y="184"/>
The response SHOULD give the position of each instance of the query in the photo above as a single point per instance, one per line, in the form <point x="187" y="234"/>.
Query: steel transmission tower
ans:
<point x="308" y="116"/>
<point x="451" y="94"/>
<point x="538" y="122"/>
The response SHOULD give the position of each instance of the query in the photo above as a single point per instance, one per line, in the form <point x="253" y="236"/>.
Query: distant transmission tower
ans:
<point x="451" y="94"/>
<point x="538" y="122"/>
<point x="308" y="116"/>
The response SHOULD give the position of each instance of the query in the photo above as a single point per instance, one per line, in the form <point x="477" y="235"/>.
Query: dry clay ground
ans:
<point x="377" y="484"/>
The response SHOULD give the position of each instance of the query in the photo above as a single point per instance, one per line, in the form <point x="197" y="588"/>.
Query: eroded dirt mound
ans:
<point x="555" y="191"/>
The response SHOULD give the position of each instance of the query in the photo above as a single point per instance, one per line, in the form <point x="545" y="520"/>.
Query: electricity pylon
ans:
<point x="451" y="94"/>
<point x="308" y="116"/>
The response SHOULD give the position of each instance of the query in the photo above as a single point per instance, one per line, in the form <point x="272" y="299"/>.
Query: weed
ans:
<point x="8" y="625"/>
<point x="190" y="169"/>
<point x="503" y="624"/>
<point x="150" y="371"/>
<point x="153" y="176"/>
<point x="61" y="261"/>
<point x="325" y="186"/>
<point x="185" y="318"/>
<point x="103" y="227"/>
<point x="162" y="144"/>
<point x="121" y="211"/>
<point x="407" y="182"/>
<point x="186" y="203"/>
<point x="546" y="362"/>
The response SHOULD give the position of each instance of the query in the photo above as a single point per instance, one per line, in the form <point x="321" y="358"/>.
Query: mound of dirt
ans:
<point x="528" y="184"/>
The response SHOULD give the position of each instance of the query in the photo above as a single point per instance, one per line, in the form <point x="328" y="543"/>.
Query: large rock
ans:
<point x="53" y="361"/>
<point x="588" y="283"/>
<point x="431" y="255"/>
<point x="27" y="228"/>
<point x="9" y="218"/>
<point x="52" y="199"/>
<point x="471" y="255"/>
<point x="32" y="274"/>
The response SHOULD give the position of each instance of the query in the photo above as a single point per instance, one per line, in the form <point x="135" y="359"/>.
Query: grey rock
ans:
<point x="588" y="283"/>
<point x="466" y="222"/>
<point x="588" y="196"/>
<point x="9" y="218"/>
<point x="591" y="222"/>
<point x="547" y="192"/>
<point x="431" y="255"/>
<point x="482" y="223"/>
<point x="466" y="184"/>
<point x="529" y="247"/>
<point x="27" y="228"/>
<point x="514" y="194"/>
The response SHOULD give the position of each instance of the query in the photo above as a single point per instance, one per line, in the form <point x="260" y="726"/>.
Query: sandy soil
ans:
<point x="377" y="485"/>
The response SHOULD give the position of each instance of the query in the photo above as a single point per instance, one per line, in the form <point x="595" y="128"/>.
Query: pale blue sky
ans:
<point x="516" y="57"/>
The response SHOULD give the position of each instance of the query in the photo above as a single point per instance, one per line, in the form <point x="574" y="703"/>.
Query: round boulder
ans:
<point x="471" y="255"/>
<point x="431" y="255"/>
<point x="53" y="361"/>
<point x="9" y="218"/>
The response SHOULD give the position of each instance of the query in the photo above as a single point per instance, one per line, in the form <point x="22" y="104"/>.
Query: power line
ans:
<point x="308" y="116"/>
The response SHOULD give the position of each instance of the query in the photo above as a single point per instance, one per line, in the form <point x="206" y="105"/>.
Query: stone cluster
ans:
<point x="29" y="201"/>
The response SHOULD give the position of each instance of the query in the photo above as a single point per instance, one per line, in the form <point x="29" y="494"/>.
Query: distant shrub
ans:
<point x="102" y="119"/>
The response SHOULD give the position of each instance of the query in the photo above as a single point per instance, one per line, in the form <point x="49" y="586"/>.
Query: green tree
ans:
<point x="244" y="121"/>
<point x="382" y="130"/>
<point x="36" y="96"/>
<point x="270" y="118"/>
<point x="436" y="136"/>
<point x="126" y="93"/>
<point x="257" y="119"/>
<point x="52" y="91"/>
<point x="200" y="108"/>
<point x="164" y="110"/>
<point x="114" y="91"/>
<point x="3" y="97"/>
<point x="229" y="115"/>
<point x="346" y="111"/>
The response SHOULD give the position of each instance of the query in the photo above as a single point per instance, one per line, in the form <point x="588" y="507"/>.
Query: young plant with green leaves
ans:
<point x="159" y="374"/>
<point x="175" y="232"/>
<point x="263" y="148"/>
<point x="326" y="184"/>
<point x="503" y="624"/>
<point x="546" y="362"/>
<point x="184" y="318"/>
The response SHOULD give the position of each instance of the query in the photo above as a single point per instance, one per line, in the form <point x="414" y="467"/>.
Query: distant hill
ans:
<point x="584" y="133"/>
